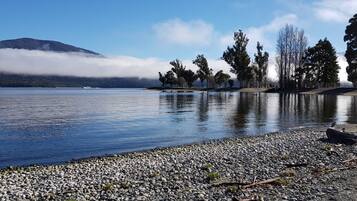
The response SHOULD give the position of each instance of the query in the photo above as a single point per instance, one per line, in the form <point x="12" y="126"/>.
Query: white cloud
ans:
<point x="262" y="33"/>
<point x="343" y="64"/>
<point x="335" y="10"/>
<point x="190" y="33"/>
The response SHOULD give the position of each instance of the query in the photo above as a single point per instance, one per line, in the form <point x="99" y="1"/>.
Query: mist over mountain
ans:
<point x="43" y="45"/>
<point x="74" y="67"/>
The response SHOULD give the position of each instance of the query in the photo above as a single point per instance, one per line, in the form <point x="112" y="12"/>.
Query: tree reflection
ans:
<point x="203" y="107"/>
<point x="352" y="114"/>
<point x="245" y="102"/>
<point x="177" y="104"/>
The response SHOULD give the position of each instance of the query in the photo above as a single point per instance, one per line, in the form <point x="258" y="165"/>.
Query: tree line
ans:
<point x="248" y="73"/>
<point x="298" y="66"/>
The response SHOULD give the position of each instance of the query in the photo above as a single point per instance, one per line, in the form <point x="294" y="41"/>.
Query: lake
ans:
<point x="46" y="126"/>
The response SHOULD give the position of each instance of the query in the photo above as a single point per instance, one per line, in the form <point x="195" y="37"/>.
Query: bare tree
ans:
<point x="291" y="45"/>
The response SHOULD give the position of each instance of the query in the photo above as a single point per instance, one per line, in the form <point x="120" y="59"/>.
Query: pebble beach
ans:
<point x="296" y="164"/>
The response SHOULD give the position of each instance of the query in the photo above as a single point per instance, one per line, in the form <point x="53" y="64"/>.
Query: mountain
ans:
<point x="44" y="45"/>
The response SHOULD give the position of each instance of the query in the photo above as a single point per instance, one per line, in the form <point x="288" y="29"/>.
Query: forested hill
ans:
<point x="17" y="80"/>
<point x="44" y="45"/>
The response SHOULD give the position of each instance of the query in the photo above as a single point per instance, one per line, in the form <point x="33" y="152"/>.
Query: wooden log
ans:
<point x="341" y="137"/>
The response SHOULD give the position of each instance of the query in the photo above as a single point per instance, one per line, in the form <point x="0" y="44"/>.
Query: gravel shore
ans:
<point x="295" y="165"/>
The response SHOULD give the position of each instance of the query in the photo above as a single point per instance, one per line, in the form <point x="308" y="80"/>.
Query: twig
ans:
<point x="350" y="160"/>
<point x="268" y="181"/>
<point x="230" y="183"/>
<point x="297" y="165"/>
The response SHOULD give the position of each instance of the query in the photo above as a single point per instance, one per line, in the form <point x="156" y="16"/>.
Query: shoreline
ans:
<point x="201" y="171"/>
<point x="321" y="91"/>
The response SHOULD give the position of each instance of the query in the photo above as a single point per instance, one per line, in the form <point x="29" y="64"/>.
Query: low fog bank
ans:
<point x="35" y="62"/>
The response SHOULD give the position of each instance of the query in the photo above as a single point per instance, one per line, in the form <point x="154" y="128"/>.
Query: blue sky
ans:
<point x="118" y="27"/>
<point x="166" y="29"/>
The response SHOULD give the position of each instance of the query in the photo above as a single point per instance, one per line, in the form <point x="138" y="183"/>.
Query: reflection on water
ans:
<point x="55" y="125"/>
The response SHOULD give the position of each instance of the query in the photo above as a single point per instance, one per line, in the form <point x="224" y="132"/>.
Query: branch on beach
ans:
<point x="249" y="185"/>
<point x="296" y="165"/>
<point x="350" y="160"/>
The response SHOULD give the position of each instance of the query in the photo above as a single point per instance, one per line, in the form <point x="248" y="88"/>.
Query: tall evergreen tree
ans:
<point x="261" y="61"/>
<point x="351" y="52"/>
<point x="238" y="58"/>
<point x="203" y="72"/>
<point x="328" y="64"/>
<point x="320" y="65"/>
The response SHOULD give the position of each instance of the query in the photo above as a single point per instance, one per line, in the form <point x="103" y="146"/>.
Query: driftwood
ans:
<point x="230" y="183"/>
<point x="268" y="181"/>
<point x="350" y="160"/>
<point x="296" y="165"/>
<point x="247" y="185"/>
<point x="340" y="136"/>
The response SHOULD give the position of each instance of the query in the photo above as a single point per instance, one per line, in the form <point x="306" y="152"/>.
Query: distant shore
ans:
<point x="322" y="91"/>
<point x="292" y="165"/>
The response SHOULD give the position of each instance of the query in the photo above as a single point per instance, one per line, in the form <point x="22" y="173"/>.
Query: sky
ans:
<point x="147" y="34"/>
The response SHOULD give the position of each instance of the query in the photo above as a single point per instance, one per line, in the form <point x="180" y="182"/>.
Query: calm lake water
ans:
<point x="56" y="125"/>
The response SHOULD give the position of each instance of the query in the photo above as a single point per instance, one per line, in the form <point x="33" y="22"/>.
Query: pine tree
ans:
<point x="320" y="65"/>
<point x="238" y="58"/>
<point x="261" y="61"/>
<point x="351" y="52"/>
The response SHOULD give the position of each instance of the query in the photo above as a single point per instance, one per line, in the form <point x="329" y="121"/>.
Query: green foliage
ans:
<point x="231" y="83"/>
<point x="320" y="65"/>
<point x="177" y="68"/>
<point x="108" y="187"/>
<point x="221" y="78"/>
<point x="282" y="182"/>
<point x="162" y="79"/>
<point x="288" y="173"/>
<point x="207" y="167"/>
<point x="189" y="77"/>
<point x="170" y="78"/>
<point x="232" y="189"/>
<point x="238" y="58"/>
<point x="351" y="52"/>
<point x="203" y="72"/>
<point x="213" y="176"/>
<point x="261" y="61"/>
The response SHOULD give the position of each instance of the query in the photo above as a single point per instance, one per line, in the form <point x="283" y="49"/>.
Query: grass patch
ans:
<point x="232" y="189"/>
<point x="207" y="167"/>
<point x="108" y="186"/>
<point x="288" y="173"/>
<point x="154" y="174"/>
<point x="213" y="176"/>
<point x="282" y="182"/>
<point x="125" y="185"/>
<point x="285" y="157"/>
